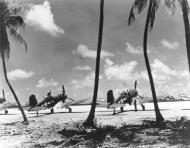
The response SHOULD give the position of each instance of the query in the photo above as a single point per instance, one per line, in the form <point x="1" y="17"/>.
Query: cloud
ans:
<point x="85" y="52"/>
<point x="43" y="83"/>
<point x="85" y="67"/>
<point x="124" y="71"/>
<point x="137" y="50"/>
<point x="109" y="62"/>
<point x="162" y="72"/>
<point x="41" y="17"/>
<point x="88" y="81"/>
<point x="127" y="71"/>
<point x="19" y="74"/>
<point x="134" y="50"/>
<point x="169" y="45"/>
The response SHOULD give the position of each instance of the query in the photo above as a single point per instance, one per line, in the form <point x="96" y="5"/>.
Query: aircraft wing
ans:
<point x="184" y="96"/>
<point x="6" y="105"/>
<point x="72" y="103"/>
<point x="116" y="105"/>
<point x="106" y="105"/>
<point x="35" y="108"/>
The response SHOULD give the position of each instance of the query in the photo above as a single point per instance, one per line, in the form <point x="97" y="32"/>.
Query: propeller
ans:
<point x="135" y="84"/>
<point x="3" y="93"/>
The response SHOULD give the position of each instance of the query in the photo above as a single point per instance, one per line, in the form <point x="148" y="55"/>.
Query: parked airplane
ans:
<point x="126" y="97"/>
<point x="4" y="104"/>
<point x="51" y="101"/>
<point x="185" y="97"/>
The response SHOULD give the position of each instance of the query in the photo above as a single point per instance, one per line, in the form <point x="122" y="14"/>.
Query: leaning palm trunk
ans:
<point x="90" y="119"/>
<point x="159" y="117"/>
<point x="11" y="88"/>
<point x="187" y="28"/>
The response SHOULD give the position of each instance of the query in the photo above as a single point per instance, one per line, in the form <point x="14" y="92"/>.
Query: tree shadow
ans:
<point x="148" y="133"/>
<point x="45" y="114"/>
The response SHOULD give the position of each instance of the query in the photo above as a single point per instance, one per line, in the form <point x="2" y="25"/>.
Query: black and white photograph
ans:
<point x="94" y="73"/>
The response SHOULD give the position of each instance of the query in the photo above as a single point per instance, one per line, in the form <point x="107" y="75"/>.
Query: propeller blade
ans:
<point x="140" y="96"/>
<point x="135" y="84"/>
<point x="70" y="99"/>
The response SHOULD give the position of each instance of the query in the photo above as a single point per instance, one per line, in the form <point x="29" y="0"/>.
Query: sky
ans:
<point x="62" y="40"/>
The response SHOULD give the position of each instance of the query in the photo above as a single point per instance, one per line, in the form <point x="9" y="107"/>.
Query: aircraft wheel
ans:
<point x="70" y="110"/>
<point x="6" y="112"/>
<point x="122" y="110"/>
<point x="52" y="111"/>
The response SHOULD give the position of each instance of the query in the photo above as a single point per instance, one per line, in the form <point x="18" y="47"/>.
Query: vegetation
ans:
<point x="90" y="119"/>
<point x="171" y="5"/>
<point x="10" y="21"/>
<point x="153" y="6"/>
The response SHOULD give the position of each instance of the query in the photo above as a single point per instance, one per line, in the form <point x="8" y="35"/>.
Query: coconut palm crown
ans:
<point x="10" y="21"/>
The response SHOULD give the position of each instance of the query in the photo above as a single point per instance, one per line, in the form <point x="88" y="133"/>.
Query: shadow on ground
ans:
<point x="149" y="133"/>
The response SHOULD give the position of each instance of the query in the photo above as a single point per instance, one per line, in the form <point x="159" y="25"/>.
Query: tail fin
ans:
<point x="33" y="101"/>
<point x="110" y="97"/>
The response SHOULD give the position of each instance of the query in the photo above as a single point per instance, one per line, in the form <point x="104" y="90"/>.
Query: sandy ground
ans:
<point x="44" y="131"/>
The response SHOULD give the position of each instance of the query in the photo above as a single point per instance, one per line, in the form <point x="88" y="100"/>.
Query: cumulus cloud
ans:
<point x="124" y="71"/>
<point x="162" y="72"/>
<point x="85" y="52"/>
<point x="85" y="67"/>
<point x="41" y="17"/>
<point x="43" y="83"/>
<point x="19" y="74"/>
<point x="134" y="50"/>
<point x="109" y="62"/>
<point x="88" y="81"/>
<point x="137" y="50"/>
<point x="127" y="71"/>
<point x="169" y="45"/>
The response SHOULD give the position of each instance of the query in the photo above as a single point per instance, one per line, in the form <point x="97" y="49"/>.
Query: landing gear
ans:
<point x="113" y="111"/>
<point x="52" y="111"/>
<point x="143" y="107"/>
<point x="121" y="108"/>
<point x="70" y="110"/>
<point x="37" y="113"/>
<point x="6" y="111"/>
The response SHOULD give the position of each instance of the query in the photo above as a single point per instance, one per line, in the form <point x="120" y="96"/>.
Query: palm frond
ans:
<point x="4" y="42"/>
<point x="16" y="35"/>
<point x="170" y="5"/>
<point x="138" y="5"/>
<point x="154" y="8"/>
<point x="15" y="21"/>
<point x="186" y="3"/>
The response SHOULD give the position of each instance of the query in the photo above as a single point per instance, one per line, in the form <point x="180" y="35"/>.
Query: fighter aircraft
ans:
<point x="184" y="97"/>
<point x="4" y="104"/>
<point x="126" y="97"/>
<point x="51" y="101"/>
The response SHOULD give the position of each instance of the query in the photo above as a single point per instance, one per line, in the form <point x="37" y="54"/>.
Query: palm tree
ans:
<point x="9" y="20"/>
<point x="153" y="6"/>
<point x="170" y="4"/>
<point x="90" y="119"/>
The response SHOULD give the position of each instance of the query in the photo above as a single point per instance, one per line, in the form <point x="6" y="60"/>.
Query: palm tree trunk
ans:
<point x="159" y="117"/>
<point x="187" y="28"/>
<point x="11" y="88"/>
<point x="90" y="119"/>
